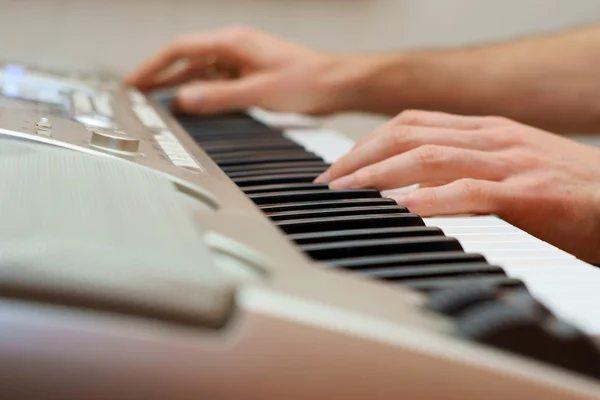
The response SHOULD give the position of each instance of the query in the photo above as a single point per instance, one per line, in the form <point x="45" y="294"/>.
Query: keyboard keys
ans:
<point x="313" y="195"/>
<point x="236" y="146"/>
<point x="254" y="154"/>
<point x="356" y="230"/>
<point x="364" y="234"/>
<point x="376" y="247"/>
<point x="253" y="173"/>
<point x="261" y="159"/>
<point x="275" y="179"/>
<point x="351" y="222"/>
<point x="336" y="212"/>
<point x="291" y="187"/>
<point x="427" y="258"/>
<point x="315" y="205"/>
<point x="274" y="167"/>
<point x="498" y="281"/>
<point x="434" y="271"/>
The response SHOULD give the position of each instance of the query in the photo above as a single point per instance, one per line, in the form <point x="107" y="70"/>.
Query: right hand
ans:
<point x="262" y="71"/>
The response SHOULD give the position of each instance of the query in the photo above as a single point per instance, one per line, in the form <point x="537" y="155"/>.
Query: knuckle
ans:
<point x="410" y="116"/>
<point x="239" y="33"/>
<point x="401" y="135"/>
<point x="473" y="189"/>
<point x="366" y="177"/>
<point x="496" y="120"/>
<point x="428" y="198"/>
<point x="430" y="155"/>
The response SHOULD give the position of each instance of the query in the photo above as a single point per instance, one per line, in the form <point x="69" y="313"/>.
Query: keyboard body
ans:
<point x="278" y="319"/>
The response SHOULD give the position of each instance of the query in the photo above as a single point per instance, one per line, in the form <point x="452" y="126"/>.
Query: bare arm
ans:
<point x="551" y="81"/>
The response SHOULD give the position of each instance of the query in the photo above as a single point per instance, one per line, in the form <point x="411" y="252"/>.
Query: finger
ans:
<point x="218" y="45"/>
<point x="399" y="139"/>
<point x="424" y="164"/>
<point x="464" y="196"/>
<point x="219" y="96"/>
<point x="171" y="78"/>
<point x="436" y="119"/>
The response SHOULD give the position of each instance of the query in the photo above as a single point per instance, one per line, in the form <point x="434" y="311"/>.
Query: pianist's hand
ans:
<point x="251" y="69"/>
<point x="547" y="185"/>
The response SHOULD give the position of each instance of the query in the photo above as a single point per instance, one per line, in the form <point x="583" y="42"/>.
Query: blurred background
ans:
<point x="116" y="34"/>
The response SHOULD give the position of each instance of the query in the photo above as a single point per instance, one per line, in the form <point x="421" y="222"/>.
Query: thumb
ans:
<point x="220" y="96"/>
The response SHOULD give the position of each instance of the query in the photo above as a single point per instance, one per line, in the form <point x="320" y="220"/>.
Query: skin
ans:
<point x="540" y="182"/>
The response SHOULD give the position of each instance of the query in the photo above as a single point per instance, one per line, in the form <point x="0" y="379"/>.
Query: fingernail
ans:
<point x="323" y="178"/>
<point x="345" y="182"/>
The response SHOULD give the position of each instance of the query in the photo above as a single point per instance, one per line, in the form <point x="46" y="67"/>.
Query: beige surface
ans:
<point x="116" y="34"/>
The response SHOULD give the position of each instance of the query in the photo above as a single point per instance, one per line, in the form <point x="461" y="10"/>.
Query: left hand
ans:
<point x="545" y="184"/>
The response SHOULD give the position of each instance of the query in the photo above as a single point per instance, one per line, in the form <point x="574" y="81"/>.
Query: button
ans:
<point x="102" y="104"/>
<point x="117" y="141"/>
<point x="148" y="116"/>
<point x="43" y="123"/>
<point x="81" y="103"/>
<point x="44" y="132"/>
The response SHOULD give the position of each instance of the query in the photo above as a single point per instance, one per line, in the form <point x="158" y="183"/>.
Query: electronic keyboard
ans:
<point x="149" y="254"/>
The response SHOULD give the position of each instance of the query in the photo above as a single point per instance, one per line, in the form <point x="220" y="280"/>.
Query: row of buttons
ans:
<point x="175" y="151"/>
<point x="44" y="127"/>
<point x="165" y="138"/>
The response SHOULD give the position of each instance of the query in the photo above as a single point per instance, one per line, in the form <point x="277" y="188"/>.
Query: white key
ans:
<point x="282" y="120"/>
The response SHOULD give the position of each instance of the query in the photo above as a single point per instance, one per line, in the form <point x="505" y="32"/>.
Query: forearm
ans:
<point x="552" y="82"/>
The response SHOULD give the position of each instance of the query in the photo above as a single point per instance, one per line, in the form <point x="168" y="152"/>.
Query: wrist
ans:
<point x="393" y="82"/>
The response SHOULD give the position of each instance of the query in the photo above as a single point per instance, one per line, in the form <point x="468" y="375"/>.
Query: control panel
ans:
<point x="101" y="116"/>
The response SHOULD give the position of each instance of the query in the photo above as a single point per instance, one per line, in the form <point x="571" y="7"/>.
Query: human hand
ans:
<point x="239" y="67"/>
<point x="542" y="183"/>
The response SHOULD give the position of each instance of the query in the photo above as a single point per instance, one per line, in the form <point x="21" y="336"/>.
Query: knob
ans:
<point x="114" y="140"/>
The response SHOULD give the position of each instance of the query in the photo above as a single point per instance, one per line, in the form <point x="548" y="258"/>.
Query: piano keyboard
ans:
<point x="274" y="161"/>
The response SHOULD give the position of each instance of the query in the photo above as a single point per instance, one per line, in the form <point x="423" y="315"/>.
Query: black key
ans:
<point x="243" y="155"/>
<point x="353" y="222"/>
<point x="364" y="234"/>
<point x="433" y="271"/>
<point x="315" y="205"/>
<point x="291" y="187"/>
<point x="275" y="166"/>
<point x="449" y="257"/>
<point x="336" y="212"/>
<point x="238" y="140"/>
<point x="282" y="171"/>
<point x="499" y="280"/>
<point x="316" y="195"/>
<point x="378" y="247"/>
<point x="275" y="179"/>
<point x="242" y="136"/>
<point x="260" y="159"/>
<point x="226" y="148"/>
